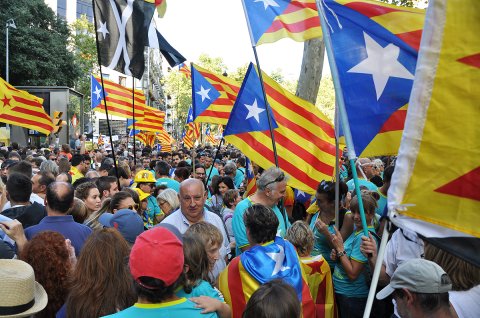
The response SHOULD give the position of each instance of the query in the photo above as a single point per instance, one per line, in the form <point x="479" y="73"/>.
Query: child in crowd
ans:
<point x="196" y="283"/>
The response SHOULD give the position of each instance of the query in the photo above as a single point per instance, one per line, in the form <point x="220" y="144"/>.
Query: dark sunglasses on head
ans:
<point x="280" y="178"/>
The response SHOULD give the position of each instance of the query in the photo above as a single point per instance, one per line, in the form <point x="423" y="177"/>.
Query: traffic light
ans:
<point x="58" y="123"/>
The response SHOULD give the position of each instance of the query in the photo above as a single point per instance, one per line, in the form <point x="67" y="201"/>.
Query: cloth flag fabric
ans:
<point x="148" y="138"/>
<point x="157" y="41"/>
<point x="187" y="140"/>
<point x="161" y="6"/>
<point x="270" y="21"/>
<point x="183" y="68"/>
<point x="434" y="188"/>
<point x="165" y="140"/>
<point x="153" y="120"/>
<point x="259" y="265"/>
<point x="304" y="136"/>
<point x="319" y="279"/>
<point x="122" y="28"/>
<point x="251" y="179"/>
<point x="209" y="137"/>
<point x="301" y="196"/>
<point x="100" y="141"/>
<point x="119" y="99"/>
<point x="213" y="96"/>
<point x="375" y="47"/>
<point x="23" y="109"/>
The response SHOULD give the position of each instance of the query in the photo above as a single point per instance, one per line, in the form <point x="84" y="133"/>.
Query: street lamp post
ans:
<point x="10" y="24"/>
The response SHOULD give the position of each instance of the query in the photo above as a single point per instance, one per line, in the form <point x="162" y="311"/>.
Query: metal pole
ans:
<point x="337" y="171"/>
<point x="6" y="57"/>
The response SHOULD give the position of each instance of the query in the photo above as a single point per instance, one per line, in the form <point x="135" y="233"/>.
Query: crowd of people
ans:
<point x="175" y="235"/>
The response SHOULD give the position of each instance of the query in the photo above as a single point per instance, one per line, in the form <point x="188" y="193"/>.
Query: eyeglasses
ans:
<point x="280" y="178"/>
<point x="326" y="186"/>
<point x="133" y="207"/>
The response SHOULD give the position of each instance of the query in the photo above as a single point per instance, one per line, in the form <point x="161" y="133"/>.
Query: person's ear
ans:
<point x="409" y="297"/>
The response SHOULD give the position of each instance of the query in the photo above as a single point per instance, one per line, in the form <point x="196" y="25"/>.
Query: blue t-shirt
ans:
<point x="152" y="208"/>
<point x="320" y="245"/>
<point x="361" y="183"/>
<point x="381" y="203"/>
<point x="342" y="284"/>
<point x="240" y="231"/>
<point x="214" y="173"/>
<point x="177" y="308"/>
<point x="202" y="289"/>
<point x="170" y="183"/>
<point x="239" y="177"/>
<point x="77" y="233"/>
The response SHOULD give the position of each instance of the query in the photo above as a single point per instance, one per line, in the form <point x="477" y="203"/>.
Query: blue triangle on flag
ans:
<point x="250" y="110"/>
<point x="190" y="115"/>
<point x="96" y="92"/>
<point x="203" y="93"/>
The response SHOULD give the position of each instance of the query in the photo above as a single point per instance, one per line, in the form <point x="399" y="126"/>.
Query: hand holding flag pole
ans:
<point x="341" y="111"/>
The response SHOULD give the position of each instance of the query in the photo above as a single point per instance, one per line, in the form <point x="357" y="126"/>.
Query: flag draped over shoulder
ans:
<point x="213" y="96"/>
<point x="375" y="47"/>
<point x="153" y="120"/>
<point x="438" y="171"/>
<point x="23" y="109"/>
<point x="122" y="28"/>
<point x="119" y="99"/>
<point x="304" y="136"/>
<point x="251" y="179"/>
<point x="270" y="21"/>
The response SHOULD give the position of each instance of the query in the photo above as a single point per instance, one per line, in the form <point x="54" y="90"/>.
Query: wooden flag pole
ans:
<point x="134" y="131"/>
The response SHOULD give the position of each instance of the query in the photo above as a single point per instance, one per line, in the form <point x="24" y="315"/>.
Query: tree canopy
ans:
<point x="38" y="46"/>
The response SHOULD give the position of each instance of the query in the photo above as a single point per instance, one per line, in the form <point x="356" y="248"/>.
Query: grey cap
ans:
<point x="419" y="276"/>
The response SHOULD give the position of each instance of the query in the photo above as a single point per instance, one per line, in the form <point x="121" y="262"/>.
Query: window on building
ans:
<point x="105" y="76"/>
<point x="122" y="80"/>
<point x="62" y="9"/>
<point x="84" y="8"/>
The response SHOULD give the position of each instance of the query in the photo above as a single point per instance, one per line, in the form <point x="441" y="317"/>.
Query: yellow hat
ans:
<point x="141" y="195"/>
<point x="144" y="176"/>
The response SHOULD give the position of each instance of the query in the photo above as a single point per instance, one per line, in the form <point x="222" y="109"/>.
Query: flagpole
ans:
<point x="337" y="171"/>
<point x="105" y="101"/>
<point x="342" y="112"/>
<point x="215" y="158"/>
<point x="134" y="131"/>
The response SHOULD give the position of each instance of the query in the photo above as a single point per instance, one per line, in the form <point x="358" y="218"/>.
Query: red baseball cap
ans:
<point x="157" y="253"/>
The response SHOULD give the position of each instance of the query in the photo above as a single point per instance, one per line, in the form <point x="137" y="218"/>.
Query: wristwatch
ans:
<point x="340" y="254"/>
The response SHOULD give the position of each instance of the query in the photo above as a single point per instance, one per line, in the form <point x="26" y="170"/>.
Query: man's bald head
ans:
<point x="192" y="198"/>
<point x="366" y="165"/>
<point x="191" y="182"/>
<point x="59" y="197"/>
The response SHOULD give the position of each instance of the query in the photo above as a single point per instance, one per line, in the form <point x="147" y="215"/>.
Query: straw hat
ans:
<point x="20" y="294"/>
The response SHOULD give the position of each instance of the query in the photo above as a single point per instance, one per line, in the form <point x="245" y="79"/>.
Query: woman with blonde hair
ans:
<point x="168" y="201"/>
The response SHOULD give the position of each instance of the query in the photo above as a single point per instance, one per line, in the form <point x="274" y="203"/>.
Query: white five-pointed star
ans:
<point x="382" y="63"/>
<point x="278" y="258"/>
<point x="204" y="93"/>
<point x="97" y="91"/>
<point x="300" y="193"/>
<point x="103" y="29"/>
<point x="254" y="111"/>
<point x="190" y="117"/>
<point x="267" y="3"/>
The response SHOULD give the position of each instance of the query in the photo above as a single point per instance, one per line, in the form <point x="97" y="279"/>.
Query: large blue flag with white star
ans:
<point x="96" y="92"/>
<point x="203" y="93"/>
<point x="249" y="112"/>
<point x="376" y="70"/>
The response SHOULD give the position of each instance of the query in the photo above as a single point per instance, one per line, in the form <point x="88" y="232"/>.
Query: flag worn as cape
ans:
<point x="213" y="96"/>
<point x="304" y="136"/>
<point x="434" y="189"/>
<point x="23" y="109"/>
<point x="375" y="47"/>
<point x="119" y="99"/>
<point x="270" y="21"/>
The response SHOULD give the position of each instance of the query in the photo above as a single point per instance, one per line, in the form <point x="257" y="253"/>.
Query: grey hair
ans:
<point x="230" y="168"/>
<point x="267" y="178"/>
<point x="171" y="196"/>
<point x="92" y="174"/>
<point x="49" y="166"/>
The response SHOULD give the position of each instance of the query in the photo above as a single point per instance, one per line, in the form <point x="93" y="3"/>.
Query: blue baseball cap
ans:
<point x="127" y="222"/>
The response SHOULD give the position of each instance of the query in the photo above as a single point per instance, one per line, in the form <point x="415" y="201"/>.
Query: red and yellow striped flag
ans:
<point x="23" y="109"/>
<point x="304" y="137"/>
<point x="153" y="120"/>
<point x="183" y="68"/>
<point x="165" y="140"/>
<point x="147" y="138"/>
<point x="119" y="100"/>
<point x="219" y="110"/>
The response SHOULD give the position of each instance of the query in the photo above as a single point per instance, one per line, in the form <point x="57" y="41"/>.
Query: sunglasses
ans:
<point x="133" y="207"/>
<point x="326" y="185"/>
<point x="280" y="178"/>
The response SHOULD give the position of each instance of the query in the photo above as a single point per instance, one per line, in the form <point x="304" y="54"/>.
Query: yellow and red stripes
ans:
<point x="152" y="121"/>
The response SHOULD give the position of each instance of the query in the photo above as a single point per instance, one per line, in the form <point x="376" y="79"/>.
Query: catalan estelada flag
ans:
<point x="434" y="189"/>
<point x="270" y="21"/>
<point x="319" y="280"/>
<point x="213" y="96"/>
<point x="183" y="68"/>
<point x="279" y="260"/>
<point x="119" y="99"/>
<point x="251" y="179"/>
<point x="147" y="138"/>
<point x="165" y="140"/>
<point x="209" y="137"/>
<point x="375" y="47"/>
<point x="304" y="136"/>
<point x="20" y="108"/>
<point x="153" y="120"/>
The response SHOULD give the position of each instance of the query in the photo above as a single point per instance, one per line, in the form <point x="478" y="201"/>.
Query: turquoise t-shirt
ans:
<point x="361" y="182"/>
<point x="202" y="289"/>
<point x="239" y="176"/>
<point x="214" y="173"/>
<point x="342" y="284"/>
<point x="170" y="183"/>
<point x="382" y="203"/>
<point x="320" y="245"/>
<point x="177" y="308"/>
<point x="239" y="230"/>
<point x="152" y="208"/>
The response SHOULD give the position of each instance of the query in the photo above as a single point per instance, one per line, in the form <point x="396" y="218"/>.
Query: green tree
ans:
<point x="38" y="47"/>
<point x="326" y="98"/>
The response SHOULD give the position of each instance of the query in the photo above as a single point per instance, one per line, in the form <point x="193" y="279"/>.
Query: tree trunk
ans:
<point x="311" y="72"/>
